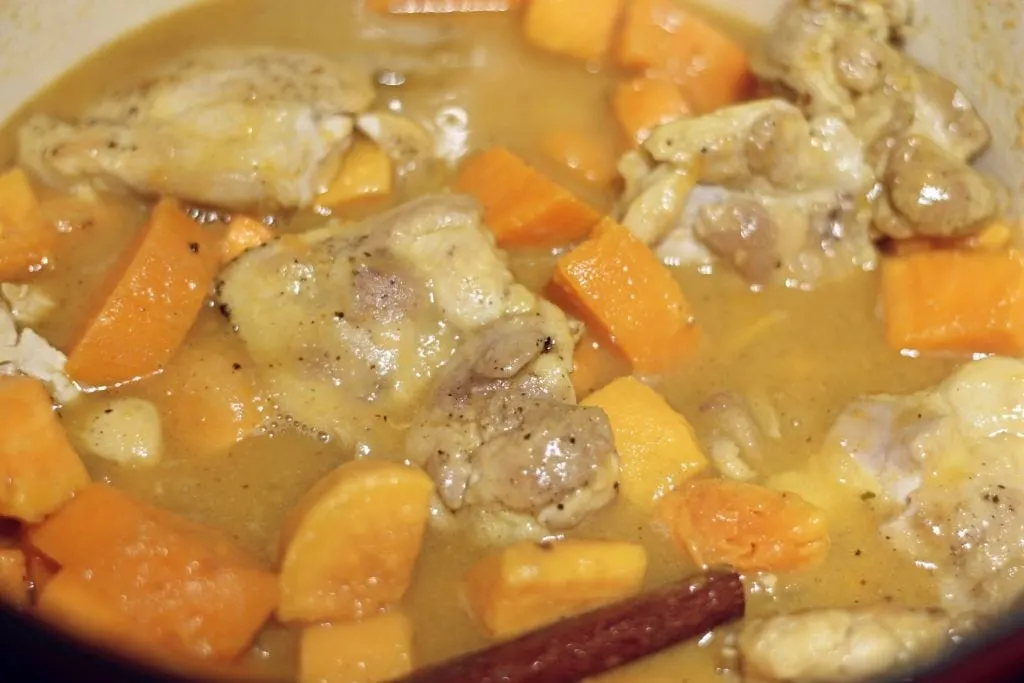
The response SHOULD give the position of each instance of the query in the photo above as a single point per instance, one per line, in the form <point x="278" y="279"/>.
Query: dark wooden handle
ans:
<point x="597" y="641"/>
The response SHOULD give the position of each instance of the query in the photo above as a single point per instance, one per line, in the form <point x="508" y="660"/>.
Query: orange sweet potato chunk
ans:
<point x="39" y="469"/>
<point x="750" y="527"/>
<point x="642" y="104"/>
<point x="955" y="300"/>
<point x="522" y="207"/>
<point x="26" y="241"/>
<point x="577" y="28"/>
<point x="147" y="302"/>
<point x="662" y="37"/>
<point x="617" y="284"/>
<point x="181" y="586"/>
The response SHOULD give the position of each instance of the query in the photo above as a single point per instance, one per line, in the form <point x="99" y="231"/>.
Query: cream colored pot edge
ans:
<point x="979" y="44"/>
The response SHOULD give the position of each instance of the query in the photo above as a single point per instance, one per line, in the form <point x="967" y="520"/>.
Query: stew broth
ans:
<point x="808" y="352"/>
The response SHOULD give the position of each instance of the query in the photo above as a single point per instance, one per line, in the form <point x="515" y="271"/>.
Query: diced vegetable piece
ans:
<point x="369" y="651"/>
<point x="350" y="546"/>
<point x="13" y="578"/>
<point x="750" y="527"/>
<point x="25" y="239"/>
<point x="69" y="603"/>
<point x="589" y="156"/>
<point x="148" y="301"/>
<point x="657" y="447"/>
<point x="441" y="6"/>
<point x="660" y="35"/>
<point x="208" y="394"/>
<point x="365" y="173"/>
<point x="243" y="233"/>
<point x="528" y="585"/>
<point x="642" y="104"/>
<point x="594" y="365"/>
<point x="181" y="585"/>
<point x="124" y="430"/>
<point x="954" y="300"/>
<point x="618" y="285"/>
<point x="39" y="470"/>
<point x="996" y="236"/>
<point x="578" y="28"/>
<point x="522" y="207"/>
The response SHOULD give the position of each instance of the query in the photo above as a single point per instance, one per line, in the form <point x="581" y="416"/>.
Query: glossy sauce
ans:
<point x="808" y="352"/>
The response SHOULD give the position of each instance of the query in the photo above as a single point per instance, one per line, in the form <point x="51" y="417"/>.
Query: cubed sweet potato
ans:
<point x="349" y="548"/>
<point x="750" y="527"/>
<point x="39" y="469"/>
<point x="527" y="585"/>
<point x="26" y="240"/>
<point x="657" y="447"/>
<point x="367" y="651"/>
<point x="181" y="586"/>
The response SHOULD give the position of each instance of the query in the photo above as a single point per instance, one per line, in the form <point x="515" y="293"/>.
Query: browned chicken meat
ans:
<point x="839" y="645"/>
<point x="501" y="428"/>
<point x="236" y="128"/>
<point x="949" y="465"/>
<point x="841" y="58"/>
<point x="412" y="318"/>
<point x="779" y="198"/>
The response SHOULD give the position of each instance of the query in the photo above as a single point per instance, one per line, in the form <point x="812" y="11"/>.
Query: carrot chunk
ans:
<point x="26" y="241"/>
<point x="616" y="283"/>
<point x="527" y="585"/>
<point x="642" y="104"/>
<point x="952" y="300"/>
<point x="589" y="156"/>
<point x="148" y="301"/>
<point x="369" y="651"/>
<point x="181" y="585"/>
<point x="39" y="470"/>
<point x="578" y="28"/>
<point x="243" y="233"/>
<point x="658" y="449"/>
<point x="13" y="578"/>
<point x="521" y="206"/>
<point x="752" y="528"/>
<point x="441" y="6"/>
<point x="661" y="36"/>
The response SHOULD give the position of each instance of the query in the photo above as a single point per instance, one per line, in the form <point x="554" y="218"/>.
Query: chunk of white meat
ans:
<point x="654" y="197"/>
<point x="501" y="428"/>
<point x="22" y="351"/>
<point x="29" y="305"/>
<point x="408" y="143"/>
<point x="826" y="51"/>
<point x="840" y="57"/>
<point x="123" y="430"/>
<point x="780" y="199"/>
<point x="349" y="324"/>
<point x="230" y="127"/>
<point x="949" y="465"/>
<point x="766" y="144"/>
<point x="840" y="645"/>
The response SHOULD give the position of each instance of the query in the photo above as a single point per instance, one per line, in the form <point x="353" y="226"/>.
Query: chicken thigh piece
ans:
<point x="839" y="645"/>
<point x="408" y="328"/>
<point x="238" y="128"/>
<point x="501" y="428"/>
<point x="949" y="465"/>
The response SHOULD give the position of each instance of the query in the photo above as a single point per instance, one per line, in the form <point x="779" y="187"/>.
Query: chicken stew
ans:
<point x="341" y="339"/>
